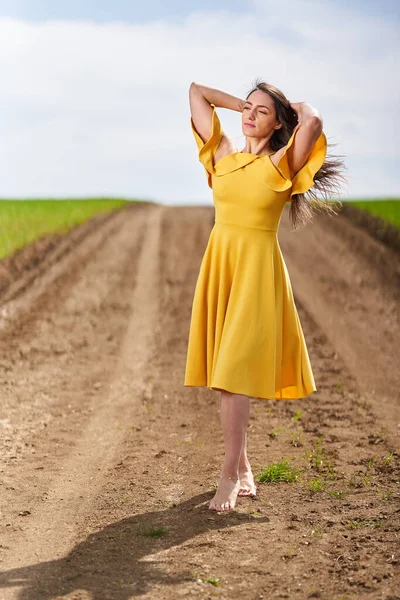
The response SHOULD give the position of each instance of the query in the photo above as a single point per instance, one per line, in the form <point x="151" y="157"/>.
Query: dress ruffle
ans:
<point x="304" y="178"/>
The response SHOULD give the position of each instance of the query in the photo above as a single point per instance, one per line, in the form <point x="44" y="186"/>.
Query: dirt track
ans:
<point x="100" y="440"/>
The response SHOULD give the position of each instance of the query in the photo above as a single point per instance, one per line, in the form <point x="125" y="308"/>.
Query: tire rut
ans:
<point x="73" y="484"/>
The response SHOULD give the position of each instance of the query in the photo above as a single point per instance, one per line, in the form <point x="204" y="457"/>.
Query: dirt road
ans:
<point x="107" y="460"/>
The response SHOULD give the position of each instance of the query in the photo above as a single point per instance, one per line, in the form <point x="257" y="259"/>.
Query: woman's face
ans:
<point x="259" y="115"/>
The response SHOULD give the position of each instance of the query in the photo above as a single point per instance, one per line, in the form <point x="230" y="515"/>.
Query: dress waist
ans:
<point x="219" y="222"/>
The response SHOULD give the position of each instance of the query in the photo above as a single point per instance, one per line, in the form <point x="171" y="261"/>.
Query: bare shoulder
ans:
<point x="276" y="157"/>
<point x="225" y="147"/>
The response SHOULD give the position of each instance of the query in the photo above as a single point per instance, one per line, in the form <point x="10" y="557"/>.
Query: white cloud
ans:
<point x="103" y="108"/>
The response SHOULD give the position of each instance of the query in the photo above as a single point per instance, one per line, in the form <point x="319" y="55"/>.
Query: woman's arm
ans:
<point x="310" y="125"/>
<point x="200" y="99"/>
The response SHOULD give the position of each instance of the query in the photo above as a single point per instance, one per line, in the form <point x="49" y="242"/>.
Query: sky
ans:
<point x="95" y="94"/>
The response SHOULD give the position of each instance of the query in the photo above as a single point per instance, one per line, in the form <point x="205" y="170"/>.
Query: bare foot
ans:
<point x="247" y="485"/>
<point x="226" y="494"/>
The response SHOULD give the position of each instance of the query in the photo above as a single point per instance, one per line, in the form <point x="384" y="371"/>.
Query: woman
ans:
<point x="245" y="337"/>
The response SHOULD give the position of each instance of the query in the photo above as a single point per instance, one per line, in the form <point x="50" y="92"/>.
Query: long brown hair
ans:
<point x="327" y="180"/>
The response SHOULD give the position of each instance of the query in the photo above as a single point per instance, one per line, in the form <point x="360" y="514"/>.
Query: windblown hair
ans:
<point x="327" y="180"/>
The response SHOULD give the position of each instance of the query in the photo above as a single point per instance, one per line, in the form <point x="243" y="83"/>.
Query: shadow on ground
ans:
<point x="116" y="561"/>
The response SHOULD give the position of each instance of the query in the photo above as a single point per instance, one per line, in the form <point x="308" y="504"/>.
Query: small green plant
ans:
<point x="155" y="532"/>
<point x="377" y="438"/>
<point x="278" y="472"/>
<point x="298" y="414"/>
<point x="313" y="593"/>
<point x="385" y="496"/>
<point x="380" y="464"/>
<point x="366" y="480"/>
<point x="297" y="439"/>
<point x="339" y="385"/>
<point x="317" y="532"/>
<point x="168" y="504"/>
<point x="330" y="469"/>
<point x="388" y="459"/>
<point x="354" y="524"/>
<point x="371" y="463"/>
<point x="290" y="553"/>
<point x="317" y="485"/>
<point x="274" y="433"/>
<point x="353" y="481"/>
<point x="363" y="402"/>
<point x="336" y="493"/>
<point x="320" y="459"/>
<point x="358" y="481"/>
<point x="215" y="581"/>
<point x="365" y="523"/>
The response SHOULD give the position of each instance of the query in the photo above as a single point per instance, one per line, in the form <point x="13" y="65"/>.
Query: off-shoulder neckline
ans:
<point x="252" y="153"/>
<point x="244" y="154"/>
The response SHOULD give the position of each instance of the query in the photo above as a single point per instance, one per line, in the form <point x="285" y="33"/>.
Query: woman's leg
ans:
<point x="234" y="411"/>
<point x="247" y="485"/>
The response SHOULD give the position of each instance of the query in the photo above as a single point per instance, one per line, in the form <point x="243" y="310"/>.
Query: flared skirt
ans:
<point x="245" y="334"/>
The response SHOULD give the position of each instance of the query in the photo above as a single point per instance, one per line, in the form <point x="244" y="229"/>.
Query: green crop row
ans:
<point x="23" y="221"/>
<point x="389" y="210"/>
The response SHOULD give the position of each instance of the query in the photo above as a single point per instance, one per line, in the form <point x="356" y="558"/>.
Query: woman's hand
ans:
<point x="304" y="111"/>
<point x="297" y="107"/>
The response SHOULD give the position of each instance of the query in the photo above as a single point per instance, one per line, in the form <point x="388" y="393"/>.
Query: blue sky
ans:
<point x="148" y="10"/>
<point x="83" y="83"/>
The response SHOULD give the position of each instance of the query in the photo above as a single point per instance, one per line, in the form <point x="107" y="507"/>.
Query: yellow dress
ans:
<point x="245" y="334"/>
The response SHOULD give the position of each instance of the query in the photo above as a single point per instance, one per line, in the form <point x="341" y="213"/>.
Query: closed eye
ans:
<point x="261" y="111"/>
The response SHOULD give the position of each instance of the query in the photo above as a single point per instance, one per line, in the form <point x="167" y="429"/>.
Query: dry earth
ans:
<point x="102" y="445"/>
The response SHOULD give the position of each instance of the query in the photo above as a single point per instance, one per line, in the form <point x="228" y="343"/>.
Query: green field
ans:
<point x="389" y="210"/>
<point x="23" y="221"/>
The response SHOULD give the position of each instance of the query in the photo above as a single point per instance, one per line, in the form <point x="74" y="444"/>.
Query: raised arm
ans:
<point x="308" y="130"/>
<point x="200" y="99"/>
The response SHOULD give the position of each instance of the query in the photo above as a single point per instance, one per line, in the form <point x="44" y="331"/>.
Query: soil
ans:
<point x="108" y="462"/>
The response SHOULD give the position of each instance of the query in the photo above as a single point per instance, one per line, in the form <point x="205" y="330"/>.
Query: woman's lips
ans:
<point x="249" y="125"/>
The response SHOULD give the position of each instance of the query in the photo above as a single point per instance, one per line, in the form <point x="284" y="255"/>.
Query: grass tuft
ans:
<point x="155" y="532"/>
<point x="336" y="493"/>
<point x="278" y="472"/>
<point x="317" y="485"/>
<point x="365" y="523"/>
<point x="215" y="581"/>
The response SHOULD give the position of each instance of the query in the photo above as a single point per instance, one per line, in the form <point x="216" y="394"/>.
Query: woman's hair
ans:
<point x="327" y="179"/>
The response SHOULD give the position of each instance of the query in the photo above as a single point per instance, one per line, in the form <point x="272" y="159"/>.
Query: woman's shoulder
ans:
<point x="225" y="147"/>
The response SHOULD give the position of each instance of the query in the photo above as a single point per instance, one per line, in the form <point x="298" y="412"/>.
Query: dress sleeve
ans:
<point x="207" y="149"/>
<point x="304" y="179"/>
